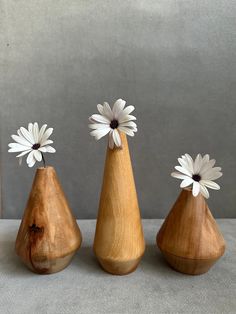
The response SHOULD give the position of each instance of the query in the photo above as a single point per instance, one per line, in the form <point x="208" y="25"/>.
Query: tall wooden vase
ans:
<point x="189" y="237"/>
<point x="119" y="242"/>
<point x="49" y="235"/>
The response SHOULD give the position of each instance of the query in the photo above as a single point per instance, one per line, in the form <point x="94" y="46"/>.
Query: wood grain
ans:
<point x="189" y="238"/>
<point x="49" y="235"/>
<point x="119" y="241"/>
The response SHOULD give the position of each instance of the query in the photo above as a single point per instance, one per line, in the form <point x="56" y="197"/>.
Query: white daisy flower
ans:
<point x="200" y="173"/>
<point x="33" y="142"/>
<point x="111" y="121"/>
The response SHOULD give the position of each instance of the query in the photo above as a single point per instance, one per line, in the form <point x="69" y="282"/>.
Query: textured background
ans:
<point x="174" y="60"/>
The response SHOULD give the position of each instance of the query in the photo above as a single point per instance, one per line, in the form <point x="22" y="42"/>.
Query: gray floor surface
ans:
<point x="84" y="287"/>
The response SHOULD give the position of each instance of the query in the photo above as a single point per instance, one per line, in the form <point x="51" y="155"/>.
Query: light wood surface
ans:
<point x="189" y="238"/>
<point x="119" y="241"/>
<point x="49" y="235"/>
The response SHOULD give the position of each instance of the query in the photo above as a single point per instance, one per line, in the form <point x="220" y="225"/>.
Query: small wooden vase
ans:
<point x="189" y="237"/>
<point x="49" y="235"/>
<point x="119" y="241"/>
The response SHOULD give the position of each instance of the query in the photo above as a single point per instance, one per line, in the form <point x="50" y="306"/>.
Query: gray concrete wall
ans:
<point x="174" y="60"/>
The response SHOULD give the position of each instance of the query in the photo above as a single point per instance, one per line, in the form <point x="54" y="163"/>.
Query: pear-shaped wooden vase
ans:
<point x="49" y="235"/>
<point x="119" y="242"/>
<point x="189" y="237"/>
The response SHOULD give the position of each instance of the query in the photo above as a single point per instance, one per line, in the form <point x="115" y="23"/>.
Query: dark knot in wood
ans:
<point x="35" y="229"/>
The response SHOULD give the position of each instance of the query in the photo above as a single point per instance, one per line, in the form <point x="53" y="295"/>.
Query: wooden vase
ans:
<point x="119" y="242"/>
<point x="49" y="235"/>
<point x="189" y="237"/>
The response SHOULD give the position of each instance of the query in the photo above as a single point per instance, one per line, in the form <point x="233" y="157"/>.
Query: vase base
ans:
<point x="189" y="266"/>
<point x="46" y="267"/>
<point x="119" y="267"/>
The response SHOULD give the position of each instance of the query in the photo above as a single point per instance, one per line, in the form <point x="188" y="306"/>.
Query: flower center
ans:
<point x="36" y="146"/>
<point x="196" y="177"/>
<point x="114" y="124"/>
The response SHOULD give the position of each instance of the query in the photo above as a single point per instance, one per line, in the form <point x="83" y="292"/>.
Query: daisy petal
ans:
<point x="100" y="108"/>
<point x="186" y="182"/>
<point x="197" y="164"/>
<point x="47" y="142"/>
<point x="217" y="168"/>
<point x="206" y="158"/>
<point x="185" y="164"/>
<point x="126" y="111"/>
<point x="21" y="140"/>
<point x="36" y="132"/>
<point x="99" y="126"/>
<point x="46" y="135"/>
<point x="30" y="157"/>
<point x="116" y="137"/>
<point x="129" y="124"/>
<point x="179" y="175"/>
<point x="28" y="136"/>
<point x="20" y="160"/>
<point x="126" y="130"/>
<point x="37" y="155"/>
<point x="100" y="118"/>
<point x="207" y="166"/>
<point x="212" y="174"/>
<point x="41" y="132"/>
<point x="183" y="170"/>
<point x="118" y="107"/>
<point x="204" y="191"/>
<point x="30" y="127"/>
<point x="210" y="184"/>
<point x="99" y="133"/>
<point x="24" y="153"/>
<point x="43" y="149"/>
<point x="50" y="149"/>
<point x="15" y="148"/>
<point x="32" y="163"/>
<point x="196" y="188"/>
<point x="19" y="133"/>
<point x="126" y="118"/>
<point x="189" y="161"/>
<point x="107" y="111"/>
<point x="111" y="142"/>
